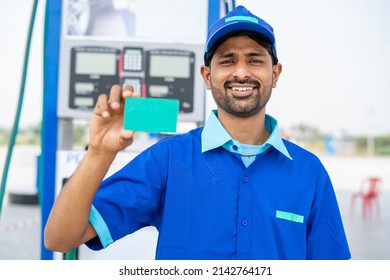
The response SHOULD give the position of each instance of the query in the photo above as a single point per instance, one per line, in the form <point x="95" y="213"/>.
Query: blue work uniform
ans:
<point x="207" y="201"/>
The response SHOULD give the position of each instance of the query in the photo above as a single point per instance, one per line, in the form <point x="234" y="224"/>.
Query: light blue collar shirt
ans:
<point x="214" y="135"/>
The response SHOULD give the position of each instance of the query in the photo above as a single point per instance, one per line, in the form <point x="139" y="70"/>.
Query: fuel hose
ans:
<point x="15" y="126"/>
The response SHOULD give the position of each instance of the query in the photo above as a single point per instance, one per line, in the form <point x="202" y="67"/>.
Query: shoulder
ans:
<point x="301" y="155"/>
<point x="307" y="162"/>
<point x="309" y="167"/>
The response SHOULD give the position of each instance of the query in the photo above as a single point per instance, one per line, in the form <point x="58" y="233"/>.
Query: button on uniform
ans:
<point x="244" y="217"/>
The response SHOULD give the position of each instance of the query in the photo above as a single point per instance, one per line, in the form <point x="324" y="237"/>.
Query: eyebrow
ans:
<point x="226" y="55"/>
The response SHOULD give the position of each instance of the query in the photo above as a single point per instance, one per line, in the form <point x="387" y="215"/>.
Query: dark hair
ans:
<point x="260" y="39"/>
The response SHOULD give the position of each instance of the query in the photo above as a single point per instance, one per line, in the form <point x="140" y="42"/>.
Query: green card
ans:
<point x="151" y="114"/>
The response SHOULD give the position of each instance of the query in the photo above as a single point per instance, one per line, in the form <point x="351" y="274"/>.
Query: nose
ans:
<point x="241" y="70"/>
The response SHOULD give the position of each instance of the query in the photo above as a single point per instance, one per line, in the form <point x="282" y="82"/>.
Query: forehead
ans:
<point x="240" y="44"/>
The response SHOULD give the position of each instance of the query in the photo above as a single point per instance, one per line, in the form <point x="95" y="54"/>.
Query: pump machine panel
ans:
<point x="170" y="74"/>
<point x="93" y="71"/>
<point x="157" y="70"/>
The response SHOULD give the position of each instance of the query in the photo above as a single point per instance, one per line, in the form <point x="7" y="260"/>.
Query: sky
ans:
<point x="335" y="56"/>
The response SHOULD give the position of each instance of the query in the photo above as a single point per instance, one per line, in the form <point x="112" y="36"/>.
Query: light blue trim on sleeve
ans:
<point x="100" y="227"/>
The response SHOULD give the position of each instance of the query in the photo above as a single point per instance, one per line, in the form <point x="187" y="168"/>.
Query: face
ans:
<point x="241" y="76"/>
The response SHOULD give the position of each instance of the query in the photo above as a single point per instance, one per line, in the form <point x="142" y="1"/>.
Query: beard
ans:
<point x="246" y="106"/>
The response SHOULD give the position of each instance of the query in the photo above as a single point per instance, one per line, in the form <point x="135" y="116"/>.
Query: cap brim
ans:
<point x="238" y="26"/>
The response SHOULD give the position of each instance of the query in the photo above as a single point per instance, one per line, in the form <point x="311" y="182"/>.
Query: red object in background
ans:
<point x="369" y="193"/>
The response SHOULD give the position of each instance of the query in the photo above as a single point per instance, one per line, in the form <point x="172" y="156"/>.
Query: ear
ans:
<point x="205" y="72"/>
<point x="277" y="69"/>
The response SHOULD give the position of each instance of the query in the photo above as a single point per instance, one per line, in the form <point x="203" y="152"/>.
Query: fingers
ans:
<point x="128" y="91"/>
<point x="101" y="107"/>
<point x="118" y="94"/>
<point x="115" y="98"/>
<point x="107" y="104"/>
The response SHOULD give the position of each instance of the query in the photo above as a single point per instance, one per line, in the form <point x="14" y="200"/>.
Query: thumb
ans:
<point x="126" y="137"/>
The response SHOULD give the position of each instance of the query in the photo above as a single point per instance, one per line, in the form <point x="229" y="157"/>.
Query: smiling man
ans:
<point x="233" y="189"/>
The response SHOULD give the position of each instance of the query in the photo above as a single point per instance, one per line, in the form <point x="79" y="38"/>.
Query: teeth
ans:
<point x="242" y="88"/>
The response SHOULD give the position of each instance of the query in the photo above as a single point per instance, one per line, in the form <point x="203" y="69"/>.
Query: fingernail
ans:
<point x="127" y="93"/>
<point x="105" y="114"/>
<point x="115" y="104"/>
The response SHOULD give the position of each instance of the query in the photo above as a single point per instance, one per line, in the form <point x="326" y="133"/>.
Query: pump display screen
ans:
<point x="169" y="66"/>
<point x="88" y="63"/>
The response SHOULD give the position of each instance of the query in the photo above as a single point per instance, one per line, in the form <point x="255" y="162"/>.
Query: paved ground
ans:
<point x="369" y="239"/>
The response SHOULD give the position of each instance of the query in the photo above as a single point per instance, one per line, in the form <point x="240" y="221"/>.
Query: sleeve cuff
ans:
<point x="100" y="227"/>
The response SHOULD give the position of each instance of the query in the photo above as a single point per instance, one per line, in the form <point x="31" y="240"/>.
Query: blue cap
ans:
<point x="236" y="20"/>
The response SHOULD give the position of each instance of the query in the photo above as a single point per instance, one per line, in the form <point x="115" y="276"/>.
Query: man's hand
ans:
<point x="106" y="132"/>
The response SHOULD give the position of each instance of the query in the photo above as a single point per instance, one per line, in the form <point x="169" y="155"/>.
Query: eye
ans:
<point x="256" y="61"/>
<point x="226" y="62"/>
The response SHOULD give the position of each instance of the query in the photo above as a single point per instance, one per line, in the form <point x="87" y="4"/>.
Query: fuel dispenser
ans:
<point x="157" y="68"/>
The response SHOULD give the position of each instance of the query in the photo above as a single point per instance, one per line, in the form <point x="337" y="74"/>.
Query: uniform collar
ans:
<point x="214" y="135"/>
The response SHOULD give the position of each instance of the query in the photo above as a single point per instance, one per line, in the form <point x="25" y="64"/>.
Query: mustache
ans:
<point x="249" y="81"/>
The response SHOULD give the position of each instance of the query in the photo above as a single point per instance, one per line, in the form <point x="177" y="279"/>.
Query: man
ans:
<point x="233" y="189"/>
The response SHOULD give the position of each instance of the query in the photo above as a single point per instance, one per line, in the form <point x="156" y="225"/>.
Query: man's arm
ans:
<point x="68" y="224"/>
